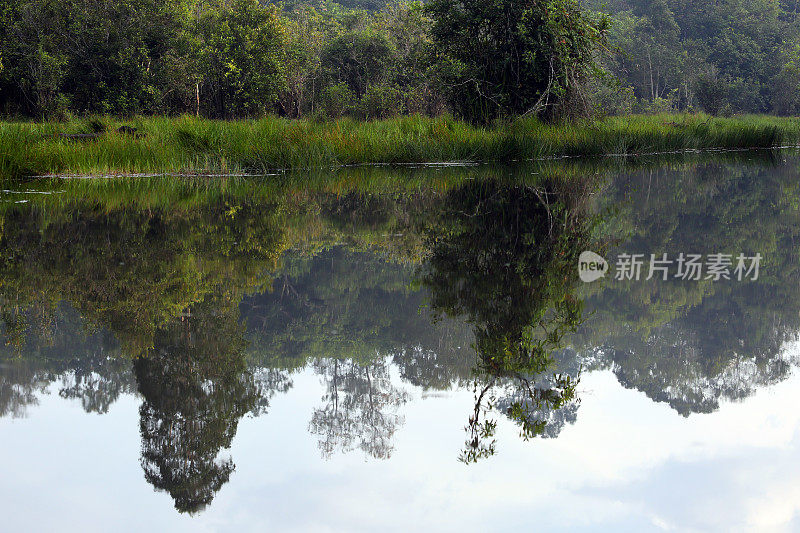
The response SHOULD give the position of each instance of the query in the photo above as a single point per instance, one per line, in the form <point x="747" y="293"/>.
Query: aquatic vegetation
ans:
<point x="188" y="145"/>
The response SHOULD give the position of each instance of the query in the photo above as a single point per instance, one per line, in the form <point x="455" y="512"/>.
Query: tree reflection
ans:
<point x="495" y="261"/>
<point x="695" y="344"/>
<point x="360" y="408"/>
<point x="504" y="256"/>
<point x="196" y="388"/>
<point x="48" y="344"/>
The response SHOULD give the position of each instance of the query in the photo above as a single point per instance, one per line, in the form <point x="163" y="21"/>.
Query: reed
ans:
<point x="188" y="145"/>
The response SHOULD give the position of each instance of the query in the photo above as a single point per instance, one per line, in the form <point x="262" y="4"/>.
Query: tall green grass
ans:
<point x="198" y="146"/>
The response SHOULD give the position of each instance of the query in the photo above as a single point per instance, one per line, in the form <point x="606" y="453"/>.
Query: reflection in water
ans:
<point x="505" y="256"/>
<point x="692" y="344"/>
<point x="195" y="387"/>
<point x="360" y="408"/>
<point x="207" y="312"/>
<point x="46" y="345"/>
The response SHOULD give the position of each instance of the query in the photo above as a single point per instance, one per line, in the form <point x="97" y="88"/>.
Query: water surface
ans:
<point x="402" y="348"/>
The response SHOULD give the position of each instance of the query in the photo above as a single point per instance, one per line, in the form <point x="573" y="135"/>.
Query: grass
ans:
<point x="198" y="146"/>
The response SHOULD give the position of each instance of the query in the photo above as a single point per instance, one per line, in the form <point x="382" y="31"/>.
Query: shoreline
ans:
<point x="191" y="146"/>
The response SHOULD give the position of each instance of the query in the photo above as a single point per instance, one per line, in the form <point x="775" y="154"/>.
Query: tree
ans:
<point x="691" y="344"/>
<point x="358" y="60"/>
<point x="90" y="56"/>
<point x="651" y="53"/>
<point x="509" y="57"/>
<point x="241" y="58"/>
<point x="786" y="99"/>
<point x="307" y="31"/>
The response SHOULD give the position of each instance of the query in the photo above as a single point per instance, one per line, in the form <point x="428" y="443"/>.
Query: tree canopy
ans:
<point x="479" y="60"/>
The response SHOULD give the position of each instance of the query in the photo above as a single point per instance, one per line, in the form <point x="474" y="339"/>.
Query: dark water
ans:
<point x="413" y="351"/>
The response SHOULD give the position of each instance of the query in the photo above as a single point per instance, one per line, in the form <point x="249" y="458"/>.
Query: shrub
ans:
<point x="381" y="101"/>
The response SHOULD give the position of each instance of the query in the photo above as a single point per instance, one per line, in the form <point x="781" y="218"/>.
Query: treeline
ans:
<point x="372" y="59"/>
<point x="721" y="56"/>
<point x="244" y="58"/>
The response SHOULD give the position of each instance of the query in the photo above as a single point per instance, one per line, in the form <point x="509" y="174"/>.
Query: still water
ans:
<point x="405" y="349"/>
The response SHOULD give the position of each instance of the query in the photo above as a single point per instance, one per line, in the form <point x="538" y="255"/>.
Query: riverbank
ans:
<point x="103" y="146"/>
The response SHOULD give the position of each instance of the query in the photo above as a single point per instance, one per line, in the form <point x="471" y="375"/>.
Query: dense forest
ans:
<point x="370" y="59"/>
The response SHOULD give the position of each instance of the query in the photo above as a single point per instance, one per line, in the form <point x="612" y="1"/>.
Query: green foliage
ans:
<point x="197" y="146"/>
<point x="381" y="101"/>
<point x="711" y="92"/>
<point x="503" y="256"/>
<point x="513" y="58"/>
<point x="337" y="100"/>
<point x="786" y="99"/>
<point x="150" y="272"/>
<point x="723" y="57"/>
<point x="196" y="387"/>
<point x="241" y="58"/>
<point x="87" y="56"/>
<point x="219" y="58"/>
<point x="479" y="60"/>
<point x="356" y="59"/>
<point x="687" y="343"/>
